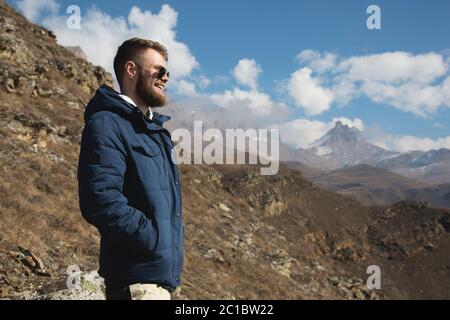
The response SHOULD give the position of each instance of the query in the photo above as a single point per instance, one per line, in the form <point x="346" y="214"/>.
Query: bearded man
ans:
<point x="128" y="180"/>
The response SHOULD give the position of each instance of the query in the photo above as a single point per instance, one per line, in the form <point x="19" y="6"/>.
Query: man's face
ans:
<point x="148" y="87"/>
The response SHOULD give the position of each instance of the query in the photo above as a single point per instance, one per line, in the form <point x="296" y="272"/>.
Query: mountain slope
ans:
<point x="372" y="185"/>
<point x="432" y="166"/>
<point x="307" y="171"/>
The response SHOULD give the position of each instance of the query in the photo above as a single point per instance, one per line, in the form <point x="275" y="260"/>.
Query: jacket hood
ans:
<point x="107" y="99"/>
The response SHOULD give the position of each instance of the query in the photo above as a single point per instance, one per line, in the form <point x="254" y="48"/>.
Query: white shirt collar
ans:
<point x="128" y="99"/>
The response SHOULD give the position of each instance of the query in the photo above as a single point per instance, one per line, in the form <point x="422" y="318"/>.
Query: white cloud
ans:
<point x="189" y="88"/>
<point x="203" y="82"/>
<point x="33" y="9"/>
<point x="414" y="98"/>
<point x="412" y="143"/>
<point x="107" y="33"/>
<point x="260" y="103"/>
<point x="412" y="83"/>
<point x="184" y="87"/>
<point x="308" y="94"/>
<point x="409" y="143"/>
<point x="404" y="143"/>
<point x="308" y="55"/>
<point x="395" y="67"/>
<point x="246" y="108"/>
<point x="345" y="91"/>
<point x="246" y="73"/>
<point x="300" y="133"/>
<point x="317" y="61"/>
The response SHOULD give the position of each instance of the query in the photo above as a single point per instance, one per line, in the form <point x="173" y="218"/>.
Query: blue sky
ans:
<point x="218" y="34"/>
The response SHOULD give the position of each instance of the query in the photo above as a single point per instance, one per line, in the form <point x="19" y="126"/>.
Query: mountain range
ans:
<point x="345" y="146"/>
<point x="345" y="161"/>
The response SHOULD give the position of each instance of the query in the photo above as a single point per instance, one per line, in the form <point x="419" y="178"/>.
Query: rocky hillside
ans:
<point x="43" y="90"/>
<point x="247" y="236"/>
<point x="372" y="185"/>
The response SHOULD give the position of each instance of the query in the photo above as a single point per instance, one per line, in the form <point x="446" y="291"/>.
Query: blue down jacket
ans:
<point x="129" y="189"/>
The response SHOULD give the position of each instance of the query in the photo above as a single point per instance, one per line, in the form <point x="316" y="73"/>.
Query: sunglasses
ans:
<point x="162" y="71"/>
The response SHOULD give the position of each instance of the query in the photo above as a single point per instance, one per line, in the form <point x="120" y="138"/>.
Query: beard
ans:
<point x="147" y="92"/>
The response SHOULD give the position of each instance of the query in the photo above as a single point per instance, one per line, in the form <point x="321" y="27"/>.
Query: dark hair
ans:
<point x="131" y="50"/>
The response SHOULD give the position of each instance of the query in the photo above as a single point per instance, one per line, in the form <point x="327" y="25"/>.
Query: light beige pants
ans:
<point x="144" y="291"/>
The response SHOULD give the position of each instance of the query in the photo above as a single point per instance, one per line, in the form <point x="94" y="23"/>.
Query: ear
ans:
<point x="130" y="70"/>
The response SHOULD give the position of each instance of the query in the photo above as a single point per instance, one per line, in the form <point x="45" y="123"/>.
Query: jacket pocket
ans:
<point x="155" y="240"/>
<point x="151" y="151"/>
<point x="150" y="166"/>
